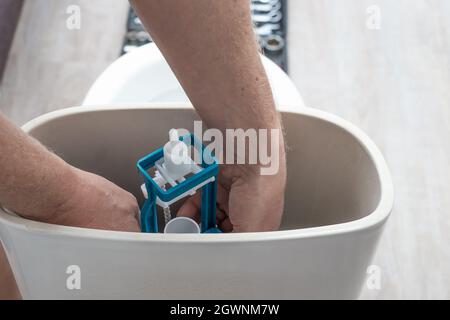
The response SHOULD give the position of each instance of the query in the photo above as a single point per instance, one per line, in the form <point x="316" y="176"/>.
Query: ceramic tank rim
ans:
<point x="373" y="220"/>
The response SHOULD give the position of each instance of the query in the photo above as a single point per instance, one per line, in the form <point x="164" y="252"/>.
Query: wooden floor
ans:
<point x="393" y="82"/>
<point x="51" y="66"/>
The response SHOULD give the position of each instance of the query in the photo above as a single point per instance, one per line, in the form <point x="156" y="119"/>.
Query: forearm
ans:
<point x="211" y="47"/>
<point x="33" y="181"/>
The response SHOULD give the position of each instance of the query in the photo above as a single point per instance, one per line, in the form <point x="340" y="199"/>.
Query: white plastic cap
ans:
<point x="173" y="135"/>
<point x="176" y="156"/>
<point x="182" y="225"/>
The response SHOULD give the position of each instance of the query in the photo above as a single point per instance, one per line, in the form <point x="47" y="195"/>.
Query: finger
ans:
<point x="134" y="206"/>
<point x="222" y="198"/>
<point x="191" y="208"/>
<point x="130" y="224"/>
<point x="137" y="217"/>
<point x="226" y="225"/>
<point x="220" y="215"/>
<point x="134" y="226"/>
<point x="137" y="213"/>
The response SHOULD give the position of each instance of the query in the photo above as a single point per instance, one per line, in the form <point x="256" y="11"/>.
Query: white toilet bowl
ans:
<point x="339" y="195"/>
<point x="143" y="76"/>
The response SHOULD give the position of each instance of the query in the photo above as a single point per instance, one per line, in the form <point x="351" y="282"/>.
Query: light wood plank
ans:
<point x="394" y="83"/>
<point x="52" y="67"/>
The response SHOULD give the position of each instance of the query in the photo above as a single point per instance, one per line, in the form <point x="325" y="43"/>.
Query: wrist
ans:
<point x="61" y="186"/>
<point x="271" y="167"/>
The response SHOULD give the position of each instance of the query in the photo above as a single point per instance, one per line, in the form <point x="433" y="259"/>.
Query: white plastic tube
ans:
<point x="182" y="225"/>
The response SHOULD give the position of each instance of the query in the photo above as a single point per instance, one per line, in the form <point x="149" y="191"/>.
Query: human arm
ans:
<point x="211" y="47"/>
<point x="39" y="185"/>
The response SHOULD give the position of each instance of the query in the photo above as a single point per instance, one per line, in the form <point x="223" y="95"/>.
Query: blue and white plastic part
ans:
<point x="176" y="176"/>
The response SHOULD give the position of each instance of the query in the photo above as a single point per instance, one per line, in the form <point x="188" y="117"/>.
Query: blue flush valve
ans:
<point x="170" y="174"/>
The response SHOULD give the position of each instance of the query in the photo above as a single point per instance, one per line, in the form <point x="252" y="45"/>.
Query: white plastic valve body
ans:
<point x="177" y="161"/>
<point x="172" y="169"/>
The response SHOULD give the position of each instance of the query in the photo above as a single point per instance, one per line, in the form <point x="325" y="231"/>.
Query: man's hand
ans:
<point x="246" y="201"/>
<point x="39" y="185"/>
<point x="96" y="203"/>
<point x="211" y="47"/>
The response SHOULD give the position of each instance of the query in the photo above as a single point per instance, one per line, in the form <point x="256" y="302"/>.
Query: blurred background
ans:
<point x="383" y="65"/>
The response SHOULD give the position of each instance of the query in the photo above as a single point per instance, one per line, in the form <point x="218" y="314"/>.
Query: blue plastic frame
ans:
<point x="210" y="168"/>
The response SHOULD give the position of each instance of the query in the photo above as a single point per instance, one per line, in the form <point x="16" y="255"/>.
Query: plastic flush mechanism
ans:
<point x="176" y="157"/>
<point x="170" y="174"/>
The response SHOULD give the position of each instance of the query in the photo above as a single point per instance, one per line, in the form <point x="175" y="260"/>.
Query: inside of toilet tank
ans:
<point x="331" y="178"/>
